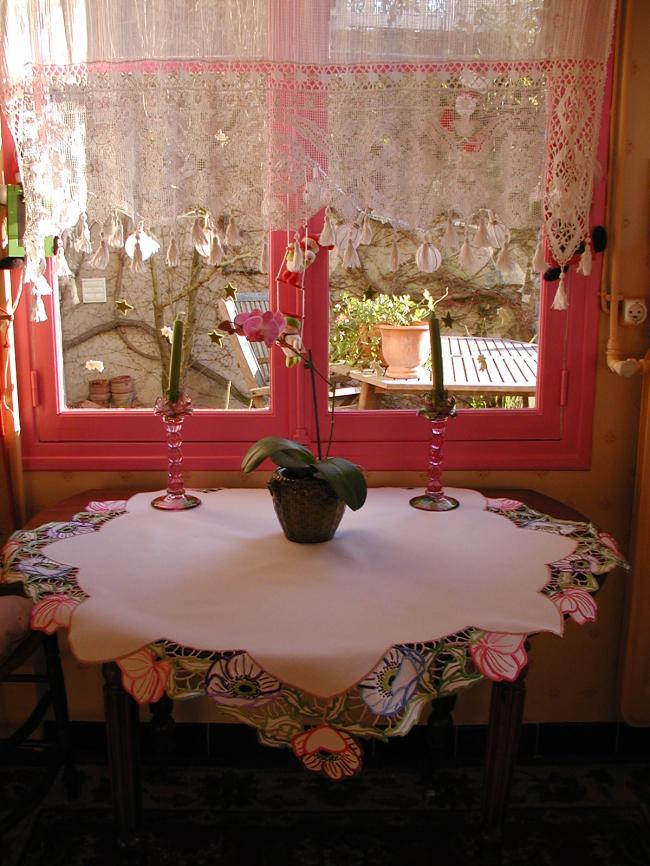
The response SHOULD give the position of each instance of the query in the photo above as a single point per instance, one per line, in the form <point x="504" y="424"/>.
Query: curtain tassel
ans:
<point x="200" y="236"/>
<point x="137" y="262"/>
<point x="450" y="239"/>
<point x="101" y="256"/>
<point x="538" y="263"/>
<point x="427" y="257"/>
<point x="327" y="237"/>
<point x="366" y="230"/>
<point x="560" y="301"/>
<point x="482" y="237"/>
<point x="504" y="260"/>
<point x="584" y="265"/>
<point x="350" y="255"/>
<point x="116" y="232"/>
<point x="216" y="251"/>
<point x="172" y="254"/>
<point x="467" y="257"/>
<point x="233" y="235"/>
<point x="82" y="242"/>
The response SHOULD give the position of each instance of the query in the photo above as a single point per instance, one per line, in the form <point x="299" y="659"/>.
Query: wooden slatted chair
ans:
<point x="253" y="358"/>
<point x="17" y="645"/>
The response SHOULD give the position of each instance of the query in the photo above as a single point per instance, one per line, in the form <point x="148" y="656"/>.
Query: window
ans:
<point x="241" y="396"/>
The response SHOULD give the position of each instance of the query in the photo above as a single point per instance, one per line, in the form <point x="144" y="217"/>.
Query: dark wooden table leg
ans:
<point x="122" y="732"/>
<point x="162" y="725"/>
<point x="506" y="714"/>
<point x="61" y="718"/>
<point x="440" y="741"/>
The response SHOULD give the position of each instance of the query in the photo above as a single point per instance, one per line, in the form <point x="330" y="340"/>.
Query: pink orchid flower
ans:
<point x="577" y="603"/>
<point x="144" y="675"/>
<point x="52" y="613"/>
<point x="500" y="656"/>
<point x="260" y="327"/>
<point x="326" y="750"/>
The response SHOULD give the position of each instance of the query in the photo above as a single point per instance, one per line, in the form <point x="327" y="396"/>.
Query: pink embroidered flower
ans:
<point x="260" y="327"/>
<point x="144" y="675"/>
<point x="52" y="613"/>
<point x="101" y="507"/>
<point x="326" y="750"/>
<point x="609" y="541"/>
<point x="505" y="504"/>
<point x="499" y="656"/>
<point x="577" y="603"/>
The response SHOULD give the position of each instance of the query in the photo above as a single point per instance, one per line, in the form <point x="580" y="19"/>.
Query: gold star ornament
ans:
<point x="447" y="320"/>
<point x="124" y="306"/>
<point x="215" y="337"/>
<point x="230" y="291"/>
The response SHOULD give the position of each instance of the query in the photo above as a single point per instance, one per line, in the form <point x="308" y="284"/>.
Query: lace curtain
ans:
<point x="147" y="119"/>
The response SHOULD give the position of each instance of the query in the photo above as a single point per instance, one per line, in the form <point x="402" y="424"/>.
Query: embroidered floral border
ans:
<point x="321" y="732"/>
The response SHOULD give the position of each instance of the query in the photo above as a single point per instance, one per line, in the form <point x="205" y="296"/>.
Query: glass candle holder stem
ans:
<point x="173" y="416"/>
<point x="434" y="498"/>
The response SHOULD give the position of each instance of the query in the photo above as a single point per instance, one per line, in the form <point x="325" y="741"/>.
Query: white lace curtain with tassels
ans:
<point x="145" y="121"/>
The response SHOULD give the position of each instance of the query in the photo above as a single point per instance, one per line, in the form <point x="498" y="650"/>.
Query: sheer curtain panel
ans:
<point x="143" y="121"/>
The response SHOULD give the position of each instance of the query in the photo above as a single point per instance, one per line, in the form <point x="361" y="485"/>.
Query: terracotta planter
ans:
<point x="99" y="392"/>
<point x="122" y="391"/>
<point x="405" y="348"/>
<point x="308" y="509"/>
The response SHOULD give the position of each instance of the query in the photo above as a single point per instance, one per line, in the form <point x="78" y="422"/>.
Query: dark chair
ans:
<point x="18" y="644"/>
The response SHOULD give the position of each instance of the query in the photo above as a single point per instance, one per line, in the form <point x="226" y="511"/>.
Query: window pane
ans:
<point x="489" y="322"/>
<point x="116" y="325"/>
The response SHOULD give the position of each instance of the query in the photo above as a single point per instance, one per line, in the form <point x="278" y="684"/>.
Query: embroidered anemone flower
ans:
<point x="260" y="327"/>
<point x="580" y="563"/>
<point x="95" y="365"/>
<point x="389" y="687"/>
<point x="144" y="675"/>
<point x="52" y="613"/>
<point x="69" y="529"/>
<point x="499" y="656"/>
<point x="37" y="567"/>
<point x="577" y="603"/>
<point x="326" y="750"/>
<point x="238" y="681"/>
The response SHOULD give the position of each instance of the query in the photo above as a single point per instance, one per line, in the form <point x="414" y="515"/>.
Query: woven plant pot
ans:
<point x="308" y="509"/>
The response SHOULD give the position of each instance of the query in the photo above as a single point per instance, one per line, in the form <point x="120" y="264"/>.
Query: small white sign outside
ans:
<point x="93" y="290"/>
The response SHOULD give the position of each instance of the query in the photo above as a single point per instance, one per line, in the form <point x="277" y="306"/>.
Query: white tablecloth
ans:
<point x="318" y="617"/>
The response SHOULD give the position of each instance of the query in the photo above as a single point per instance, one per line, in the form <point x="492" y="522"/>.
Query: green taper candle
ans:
<point x="173" y="386"/>
<point x="436" y="357"/>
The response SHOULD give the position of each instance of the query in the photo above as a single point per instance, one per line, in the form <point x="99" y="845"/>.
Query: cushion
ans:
<point x="15" y="612"/>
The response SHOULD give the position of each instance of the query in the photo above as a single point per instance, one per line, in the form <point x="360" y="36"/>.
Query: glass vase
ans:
<point x="173" y="415"/>
<point x="433" y="498"/>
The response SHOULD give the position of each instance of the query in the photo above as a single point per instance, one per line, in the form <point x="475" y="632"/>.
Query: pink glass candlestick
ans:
<point x="173" y="415"/>
<point x="434" y="498"/>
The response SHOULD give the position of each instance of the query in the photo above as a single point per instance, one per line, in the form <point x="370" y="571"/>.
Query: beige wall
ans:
<point x="576" y="678"/>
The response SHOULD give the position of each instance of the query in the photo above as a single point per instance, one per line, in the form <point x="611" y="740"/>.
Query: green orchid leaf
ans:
<point x="284" y="452"/>
<point x="345" y="479"/>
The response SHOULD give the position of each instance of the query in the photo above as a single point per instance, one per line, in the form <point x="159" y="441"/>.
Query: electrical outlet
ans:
<point x="634" y="312"/>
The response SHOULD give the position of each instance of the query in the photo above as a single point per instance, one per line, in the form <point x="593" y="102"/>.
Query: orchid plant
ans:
<point x="284" y="330"/>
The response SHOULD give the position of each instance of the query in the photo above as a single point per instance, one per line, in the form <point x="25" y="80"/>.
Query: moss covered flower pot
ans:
<point x="308" y="509"/>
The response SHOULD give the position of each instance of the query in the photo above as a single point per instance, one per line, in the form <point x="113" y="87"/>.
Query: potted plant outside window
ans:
<point x="393" y="327"/>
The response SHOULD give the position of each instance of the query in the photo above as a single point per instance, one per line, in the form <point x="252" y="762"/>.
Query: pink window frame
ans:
<point x="556" y="434"/>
